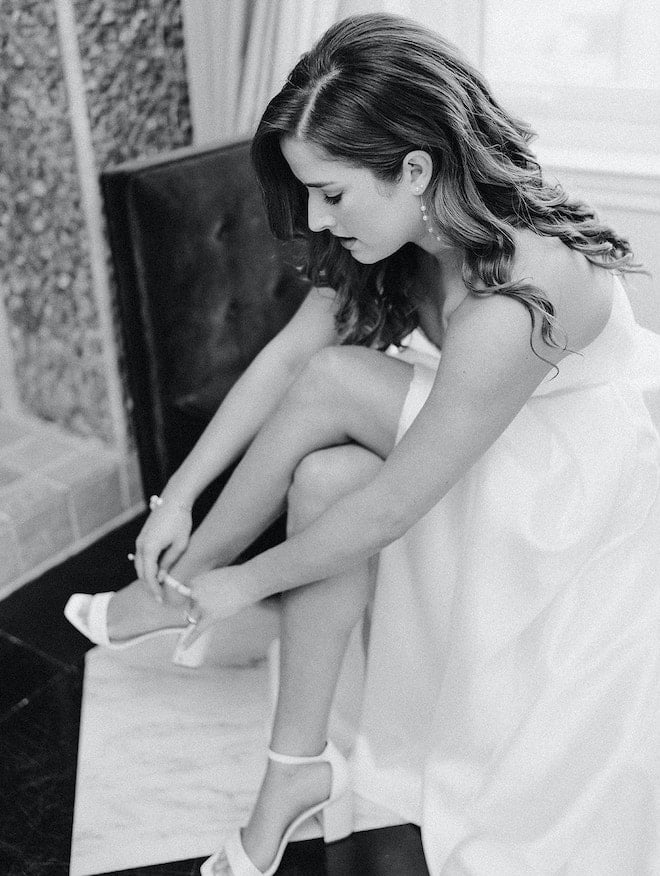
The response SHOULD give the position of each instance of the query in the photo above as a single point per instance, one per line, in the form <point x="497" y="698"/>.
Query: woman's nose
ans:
<point x="318" y="216"/>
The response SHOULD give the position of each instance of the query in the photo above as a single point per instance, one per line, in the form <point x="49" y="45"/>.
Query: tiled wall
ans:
<point x="58" y="493"/>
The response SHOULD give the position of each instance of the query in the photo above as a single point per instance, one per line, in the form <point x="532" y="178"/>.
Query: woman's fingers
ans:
<point x="200" y="614"/>
<point x="162" y="540"/>
<point x="151" y="582"/>
<point x="176" y="585"/>
<point x="139" y="555"/>
<point x="173" y="553"/>
<point x="146" y="566"/>
<point x="218" y="594"/>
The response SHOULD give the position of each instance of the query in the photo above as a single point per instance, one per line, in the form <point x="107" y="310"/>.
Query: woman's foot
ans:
<point x="132" y="611"/>
<point x="121" y="619"/>
<point x="286" y="791"/>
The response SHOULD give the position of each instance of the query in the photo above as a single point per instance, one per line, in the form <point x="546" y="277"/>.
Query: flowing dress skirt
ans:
<point x="511" y="700"/>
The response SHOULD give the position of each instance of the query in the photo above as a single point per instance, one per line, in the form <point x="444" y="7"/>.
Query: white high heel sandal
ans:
<point x="336" y="815"/>
<point x="89" y="615"/>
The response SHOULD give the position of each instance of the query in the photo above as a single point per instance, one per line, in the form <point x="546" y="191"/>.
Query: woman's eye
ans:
<point x="331" y="199"/>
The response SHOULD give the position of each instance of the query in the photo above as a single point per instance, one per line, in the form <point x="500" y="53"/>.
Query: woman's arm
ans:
<point x="486" y="374"/>
<point x="166" y="533"/>
<point x="254" y="396"/>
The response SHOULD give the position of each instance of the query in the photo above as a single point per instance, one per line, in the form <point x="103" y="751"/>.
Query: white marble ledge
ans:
<point x="170" y="759"/>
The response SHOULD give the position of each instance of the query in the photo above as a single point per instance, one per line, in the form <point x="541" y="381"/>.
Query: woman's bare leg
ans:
<point x="317" y="621"/>
<point x="346" y="395"/>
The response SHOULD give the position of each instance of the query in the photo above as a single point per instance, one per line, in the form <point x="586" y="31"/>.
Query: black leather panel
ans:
<point x="202" y="287"/>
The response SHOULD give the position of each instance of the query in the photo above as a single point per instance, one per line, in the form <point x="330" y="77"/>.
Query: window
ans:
<point x="586" y="75"/>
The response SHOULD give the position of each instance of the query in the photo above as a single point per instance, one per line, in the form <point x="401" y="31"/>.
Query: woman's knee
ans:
<point x="331" y="365"/>
<point x="328" y="376"/>
<point x="349" y="393"/>
<point x="324" y="476"/>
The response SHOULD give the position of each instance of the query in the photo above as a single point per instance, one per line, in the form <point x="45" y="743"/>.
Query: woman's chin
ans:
<point x="363" y="254"/>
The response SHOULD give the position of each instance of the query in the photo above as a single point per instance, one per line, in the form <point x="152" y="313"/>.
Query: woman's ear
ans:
<point x="417" y="170"/>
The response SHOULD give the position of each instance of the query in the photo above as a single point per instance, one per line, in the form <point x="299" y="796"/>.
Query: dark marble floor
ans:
<point x="40" y="698"/>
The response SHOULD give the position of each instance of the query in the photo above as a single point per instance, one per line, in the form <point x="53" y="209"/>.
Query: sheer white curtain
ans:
<point x="279" y="34"/>
<point x="239" y="52"/>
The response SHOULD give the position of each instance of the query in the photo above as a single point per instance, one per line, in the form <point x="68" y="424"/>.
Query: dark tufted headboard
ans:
<point x="202" y="287"/>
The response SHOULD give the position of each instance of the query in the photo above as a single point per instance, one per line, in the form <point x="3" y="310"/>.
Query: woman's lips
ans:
<point x="347" y="242"/>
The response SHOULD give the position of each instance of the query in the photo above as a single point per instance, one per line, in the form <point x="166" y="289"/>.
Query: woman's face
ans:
<point x="370" y="217"/>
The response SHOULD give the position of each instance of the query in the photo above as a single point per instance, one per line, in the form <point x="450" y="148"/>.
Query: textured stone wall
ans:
<point x="133" y="63"/>
<point x="44" y="272"/>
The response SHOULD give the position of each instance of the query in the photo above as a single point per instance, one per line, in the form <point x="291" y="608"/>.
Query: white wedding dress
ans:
<point x="511" y="699"/>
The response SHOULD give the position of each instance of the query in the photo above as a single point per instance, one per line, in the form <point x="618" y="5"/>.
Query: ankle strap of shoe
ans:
<point x="292" y="759"/>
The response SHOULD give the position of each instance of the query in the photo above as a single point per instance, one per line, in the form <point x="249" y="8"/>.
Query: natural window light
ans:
<point x="586" y="75"/>
<point x="595" y="43"/>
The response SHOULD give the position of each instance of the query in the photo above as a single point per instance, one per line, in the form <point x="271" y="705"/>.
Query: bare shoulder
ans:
<point x="580" y="292"/>
<point x="497" y="328"/>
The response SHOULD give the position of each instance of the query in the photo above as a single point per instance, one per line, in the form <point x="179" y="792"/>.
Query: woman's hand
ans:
<point x="162" y="540"/>
<point x="218" y="595"/>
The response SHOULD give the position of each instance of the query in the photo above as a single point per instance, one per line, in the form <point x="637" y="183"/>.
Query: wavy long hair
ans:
<point x="375" y="87"/>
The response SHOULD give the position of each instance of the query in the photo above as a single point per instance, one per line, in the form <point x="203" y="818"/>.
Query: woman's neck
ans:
<point x="440" y="293"/>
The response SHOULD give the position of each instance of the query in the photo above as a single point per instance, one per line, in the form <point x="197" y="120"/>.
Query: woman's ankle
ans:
<point x="172" y="598"/>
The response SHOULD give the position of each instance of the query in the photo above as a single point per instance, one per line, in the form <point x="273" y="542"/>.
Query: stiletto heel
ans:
<point x="193" y="655"/>
<point x="337" y="819"/>
<point x="336" y="813"/>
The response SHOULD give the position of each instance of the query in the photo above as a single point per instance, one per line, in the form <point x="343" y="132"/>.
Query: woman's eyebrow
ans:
<point x="318" y="185"/>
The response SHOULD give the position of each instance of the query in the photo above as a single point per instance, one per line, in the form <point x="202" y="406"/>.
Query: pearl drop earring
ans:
<point x="425" y="217"/>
